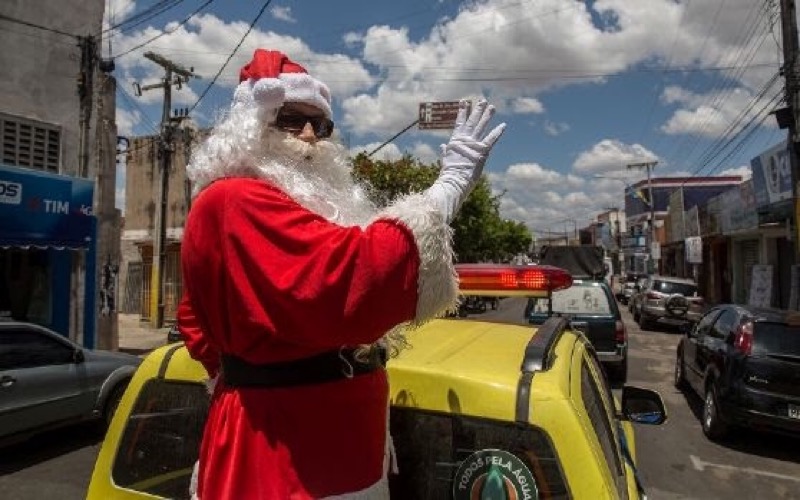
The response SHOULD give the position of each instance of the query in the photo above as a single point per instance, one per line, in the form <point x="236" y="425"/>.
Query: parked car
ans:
<point x="174" y="335"/>
<point x="591" y="308"/>
<point x="626" y="292"/>
<point x="47" y="381"/>
<point x="745" y="364"/>
<point x="667" y="300"/>
<point x="469" y="393"/>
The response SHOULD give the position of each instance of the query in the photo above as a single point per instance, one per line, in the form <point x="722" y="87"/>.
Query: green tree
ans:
<point x="480" y="234"/>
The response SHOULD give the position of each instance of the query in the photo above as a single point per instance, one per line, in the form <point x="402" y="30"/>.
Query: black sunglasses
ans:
<point x="294" y="123"/>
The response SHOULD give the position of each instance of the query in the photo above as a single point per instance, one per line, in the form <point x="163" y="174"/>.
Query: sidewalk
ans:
<point x="137" y="337"/>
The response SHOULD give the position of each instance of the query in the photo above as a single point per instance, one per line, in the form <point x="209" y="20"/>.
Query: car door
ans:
<point x="598" y="403"/>
<point x="694" y="338"/>
<point x="714" y="350"/>
<point x="39" y="380"/>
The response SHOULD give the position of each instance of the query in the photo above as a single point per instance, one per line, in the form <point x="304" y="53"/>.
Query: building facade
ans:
<point x="48" y="243"/>
<point x="143" y="173"/>
<point x="641" y="214"/>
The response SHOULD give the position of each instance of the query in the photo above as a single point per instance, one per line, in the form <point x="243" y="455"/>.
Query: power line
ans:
<point x="142" y="17"/>
<point x="36" y="26"/>
<point x="228" y="60"/>
<point x="166" y="32"/>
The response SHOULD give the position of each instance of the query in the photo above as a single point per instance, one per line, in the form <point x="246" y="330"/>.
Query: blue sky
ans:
<point x="586" y="87"/>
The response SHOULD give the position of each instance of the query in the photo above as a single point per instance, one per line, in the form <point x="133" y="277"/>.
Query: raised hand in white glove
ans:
<point x="463" y="158"/>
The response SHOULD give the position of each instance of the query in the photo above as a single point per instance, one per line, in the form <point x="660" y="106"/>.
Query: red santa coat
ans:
<point x="268" y="280"/>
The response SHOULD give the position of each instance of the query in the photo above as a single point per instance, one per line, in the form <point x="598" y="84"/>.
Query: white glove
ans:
<point x="463" y="158"/>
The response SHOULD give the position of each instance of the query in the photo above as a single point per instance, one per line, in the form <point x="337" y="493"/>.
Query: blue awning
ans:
<point x="45" y="210"/>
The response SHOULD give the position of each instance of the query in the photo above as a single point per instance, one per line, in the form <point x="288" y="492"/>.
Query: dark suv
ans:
<point x="591" y="308"/>
<point x="667" y="300"/>
<point x="745" y="363"/>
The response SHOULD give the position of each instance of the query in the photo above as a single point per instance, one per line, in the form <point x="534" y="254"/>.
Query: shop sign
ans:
<point x="655" y="250"/>
<point x="41" y="208"/>
<point x="694" y="250"/>
<point x="772" y="175"/>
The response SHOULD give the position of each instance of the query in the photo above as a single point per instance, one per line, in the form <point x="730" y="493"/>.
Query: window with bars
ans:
<point x="30" y="144"/>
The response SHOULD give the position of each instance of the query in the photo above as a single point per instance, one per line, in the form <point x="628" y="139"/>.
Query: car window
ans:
<point x="598" y="402"/>
<point x="724" y="325"/>
<point x="671" y="287"/>
<point x="705" y="323"/>
<point x="776" y="338"/>
<point x="20" y="348"/>
<point x="429" y="444"/>
<point x="161" y="439"/>
<point x="576" y="300"/>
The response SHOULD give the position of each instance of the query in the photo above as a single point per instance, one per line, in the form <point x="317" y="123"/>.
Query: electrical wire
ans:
<point x="228" y="60"/>
<point x="36" y="26"/>
<point x="142" y="17"/>
<point x="167" y="32"/>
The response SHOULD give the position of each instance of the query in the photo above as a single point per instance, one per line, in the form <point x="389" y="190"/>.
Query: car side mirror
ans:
<point x="643" y="406"/>
<point x="78" y="356"/>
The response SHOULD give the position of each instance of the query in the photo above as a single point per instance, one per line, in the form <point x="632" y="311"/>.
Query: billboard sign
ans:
<point x="772" y="175"/>
<point x="438" y="115"/>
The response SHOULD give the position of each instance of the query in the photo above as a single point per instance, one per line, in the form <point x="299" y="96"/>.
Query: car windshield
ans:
<point x="776" y="338"/>
<point x="578" y="299"/>
<point x="670" y="287"/>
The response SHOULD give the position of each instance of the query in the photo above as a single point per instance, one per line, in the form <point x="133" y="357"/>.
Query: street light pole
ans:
<point x="649" y="166"/>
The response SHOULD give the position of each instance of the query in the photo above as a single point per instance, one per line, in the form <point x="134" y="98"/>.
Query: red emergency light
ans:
<point x="506" y="279"/>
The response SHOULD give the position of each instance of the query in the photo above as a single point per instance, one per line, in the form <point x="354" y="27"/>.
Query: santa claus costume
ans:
<point x="289" y="271"/>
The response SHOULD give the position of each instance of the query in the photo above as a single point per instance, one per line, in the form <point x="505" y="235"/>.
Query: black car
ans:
<point x="745" y="364"/>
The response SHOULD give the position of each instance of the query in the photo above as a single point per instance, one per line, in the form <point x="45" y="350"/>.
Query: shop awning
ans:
<point x="41" y="209"/>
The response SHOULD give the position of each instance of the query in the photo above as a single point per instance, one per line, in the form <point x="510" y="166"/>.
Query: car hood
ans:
<point x="118" y="357"/>
<point x="461" y="366"/>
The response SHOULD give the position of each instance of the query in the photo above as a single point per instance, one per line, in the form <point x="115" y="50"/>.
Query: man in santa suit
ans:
<point x="296" y="287"/>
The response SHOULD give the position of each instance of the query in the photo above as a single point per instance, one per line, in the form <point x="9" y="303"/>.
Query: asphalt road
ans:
<point x="675" y="460"/>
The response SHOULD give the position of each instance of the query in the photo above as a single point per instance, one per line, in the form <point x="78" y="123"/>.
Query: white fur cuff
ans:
<point x="437" y="282"/>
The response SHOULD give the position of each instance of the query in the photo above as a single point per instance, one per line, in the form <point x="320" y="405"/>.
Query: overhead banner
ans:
<point x="772" y="175"/>
<point x="43" y="209"/>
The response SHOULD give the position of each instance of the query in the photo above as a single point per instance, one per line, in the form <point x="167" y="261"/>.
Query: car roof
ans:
<point x="767" y="314"/>
<point x="674" y="279"/>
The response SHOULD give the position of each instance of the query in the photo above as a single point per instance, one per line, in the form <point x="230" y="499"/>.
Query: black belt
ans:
<point x="325" y="367"/>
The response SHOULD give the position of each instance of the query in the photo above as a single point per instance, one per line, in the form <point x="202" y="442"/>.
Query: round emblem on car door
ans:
<point x="494" y="474"/>
<point x="677" y="305"/>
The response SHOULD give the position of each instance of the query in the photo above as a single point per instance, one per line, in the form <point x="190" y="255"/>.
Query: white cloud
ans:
<point x="610" y="155"/>
<point x="710" y="114"/>
<point x="524" y="105"/>
<point x="545" y="198"/>
<point x="554" y="128"/>
<point x="127" y="120"/>
<point x="745" y="171"/>
<point x="282" y="13"/>
<point x="212" y="40"/>
<point x="419" y="150"/>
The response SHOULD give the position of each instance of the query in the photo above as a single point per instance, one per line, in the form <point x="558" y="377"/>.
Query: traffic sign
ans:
<point x="438" y="115"/>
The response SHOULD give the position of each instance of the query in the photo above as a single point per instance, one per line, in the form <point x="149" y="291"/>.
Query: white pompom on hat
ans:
<point x="272" y="79"/>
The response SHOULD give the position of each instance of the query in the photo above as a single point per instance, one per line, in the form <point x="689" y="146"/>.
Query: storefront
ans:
<point x="47" y="251"/>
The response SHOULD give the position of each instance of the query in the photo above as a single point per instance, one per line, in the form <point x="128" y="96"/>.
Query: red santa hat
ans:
<point x="273" y="79"/>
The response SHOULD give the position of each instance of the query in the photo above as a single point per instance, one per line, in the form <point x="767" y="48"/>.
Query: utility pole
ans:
<point x="88" y="49"/>
<point x="108" y="217"/>
<point x="792" y="88"/>
<point x="177" y="75"/>
<point x="649" y="166"/>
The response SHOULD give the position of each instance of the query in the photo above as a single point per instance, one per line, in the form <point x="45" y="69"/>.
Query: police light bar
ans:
<point x="506" y="279"/>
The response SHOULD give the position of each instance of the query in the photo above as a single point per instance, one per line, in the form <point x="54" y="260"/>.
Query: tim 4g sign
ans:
<point x="10" y="192"/>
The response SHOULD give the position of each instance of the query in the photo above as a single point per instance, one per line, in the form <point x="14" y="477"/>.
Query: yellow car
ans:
<point x="480" y="409"/>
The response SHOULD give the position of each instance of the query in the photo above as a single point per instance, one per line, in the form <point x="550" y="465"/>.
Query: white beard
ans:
<point x="318" y="176"/>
